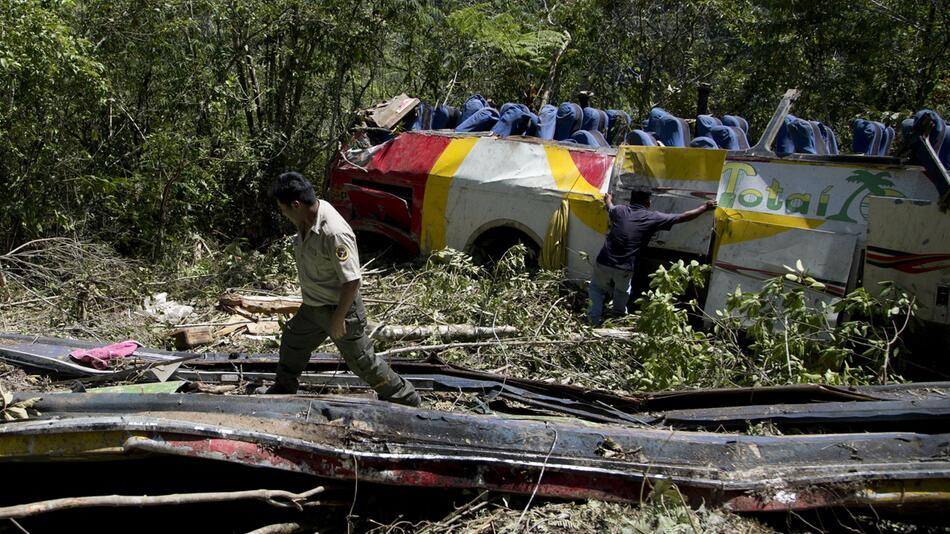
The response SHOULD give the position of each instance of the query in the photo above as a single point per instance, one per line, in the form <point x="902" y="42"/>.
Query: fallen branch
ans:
<point x="448" y="332"/>
<point x="472" y="506"/>
<point x="279" y="498"/>
<point x="446" y="346"/>
<point x="616" y="333"/>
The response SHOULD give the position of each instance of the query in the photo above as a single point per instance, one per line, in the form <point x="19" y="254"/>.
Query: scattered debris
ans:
<point x="167" y="311"/>
<point x="11" y="410"/>
<point x="261" y="304"/>
<point x="53" y="354"/>
<point x="187" y="338"/>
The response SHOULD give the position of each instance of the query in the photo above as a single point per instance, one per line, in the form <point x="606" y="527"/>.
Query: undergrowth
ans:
<point x="768" y="337"/>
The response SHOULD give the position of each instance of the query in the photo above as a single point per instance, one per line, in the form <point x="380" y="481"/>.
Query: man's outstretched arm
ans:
<point x="696" y="212"/>
<point x="609" y="201"/>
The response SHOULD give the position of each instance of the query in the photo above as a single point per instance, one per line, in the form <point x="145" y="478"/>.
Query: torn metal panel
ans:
<point x="907" y="391"/>
<point x="931" y="414"/>
<point x="23" y="350"/>
<point x="759" y="404"/>
<point x="388" y="114"/>
<point x="490" y="389"/>
<point x="796" y="393"/>
<point x="914" y="255"/>
<point x="750" y="252"/>
<point x="390" y="444"/>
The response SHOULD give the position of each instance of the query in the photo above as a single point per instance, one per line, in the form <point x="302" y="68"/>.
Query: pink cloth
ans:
<point x="99" y="357"/>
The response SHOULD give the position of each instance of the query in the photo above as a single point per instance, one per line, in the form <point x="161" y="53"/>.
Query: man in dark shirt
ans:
<point x="631" y="228"/>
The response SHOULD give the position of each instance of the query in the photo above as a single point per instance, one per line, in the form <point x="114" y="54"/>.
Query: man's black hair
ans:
<point x="291" y="186"/>
<point x="640" y="197"/>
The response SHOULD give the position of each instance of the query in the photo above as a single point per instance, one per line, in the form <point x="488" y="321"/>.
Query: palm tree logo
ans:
<point x="872" y="184"/>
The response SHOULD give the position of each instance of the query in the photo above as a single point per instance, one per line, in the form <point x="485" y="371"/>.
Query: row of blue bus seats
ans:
<point x="938" y="134"/>
<point x="569" y="123"/>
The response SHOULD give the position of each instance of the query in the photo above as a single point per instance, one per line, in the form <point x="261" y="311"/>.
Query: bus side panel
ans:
<point x="908" y="243"/>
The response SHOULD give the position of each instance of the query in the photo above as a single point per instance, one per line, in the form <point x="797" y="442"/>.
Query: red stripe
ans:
<point x="593" y="166"/>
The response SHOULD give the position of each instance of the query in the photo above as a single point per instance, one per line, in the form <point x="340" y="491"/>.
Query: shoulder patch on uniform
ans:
<point x="341" y="253"/>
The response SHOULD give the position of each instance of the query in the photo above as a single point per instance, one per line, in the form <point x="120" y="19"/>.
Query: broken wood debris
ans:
<point x="284" y="305"/>
<point x="244" y="319"/>
<point x="447" y="332"/>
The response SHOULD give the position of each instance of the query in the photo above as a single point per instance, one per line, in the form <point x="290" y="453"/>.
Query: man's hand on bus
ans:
<point x="696" y="212"/>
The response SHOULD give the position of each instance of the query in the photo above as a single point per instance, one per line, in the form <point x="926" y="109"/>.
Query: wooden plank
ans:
<point x="258" y="304"/>
<point x="263" y="328"/>
<point x="186" y="338"/>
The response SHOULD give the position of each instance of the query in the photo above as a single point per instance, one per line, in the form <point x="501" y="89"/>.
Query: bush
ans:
<point x="767" y="337"/>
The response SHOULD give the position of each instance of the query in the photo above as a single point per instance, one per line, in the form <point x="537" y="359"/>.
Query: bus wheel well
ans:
<point x="381" y="247"/>
<point x="493" y="243"/>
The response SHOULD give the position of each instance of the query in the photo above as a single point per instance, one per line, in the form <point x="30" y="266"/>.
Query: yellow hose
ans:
<point x="554" y="250"/>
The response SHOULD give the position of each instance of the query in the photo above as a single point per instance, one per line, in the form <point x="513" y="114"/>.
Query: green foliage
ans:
<point x="51" y="85"/>
<point x="449" y="288"/>
<point x="459" y="291"/>
<point x="670" y="352"/>
<point x="777" y="335"/>
<point x="138" y="123"/>
<point x="529" y="48"/>
<point x="794" y="337"/>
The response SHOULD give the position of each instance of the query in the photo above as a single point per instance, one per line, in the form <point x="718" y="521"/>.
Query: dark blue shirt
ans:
<point x="631" y="228"/>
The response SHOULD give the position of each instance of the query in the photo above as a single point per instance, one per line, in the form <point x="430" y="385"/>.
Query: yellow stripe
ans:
<point x="566" y="175"/>
<point x="736" y="226"/>
<point x="906" y="491"/>
<point x="585" y="200"/>
<point x="64" y="444"/>
<point x="673" y="163"/>
<point x="437" y="192"/>
<point x="590" y="211"/>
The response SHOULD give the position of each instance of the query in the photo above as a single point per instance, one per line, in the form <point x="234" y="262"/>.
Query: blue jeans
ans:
<point x="603" y="279"/>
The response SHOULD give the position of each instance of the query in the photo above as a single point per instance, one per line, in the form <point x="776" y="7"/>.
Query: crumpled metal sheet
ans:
<point x="379" y="442"/>
<point x="389" y="113"/>
<point x="794" y="405"/>
<point x="40" y="353"/>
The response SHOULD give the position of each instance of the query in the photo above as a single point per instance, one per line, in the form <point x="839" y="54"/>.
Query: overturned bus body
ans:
<point x="851" y="219"/>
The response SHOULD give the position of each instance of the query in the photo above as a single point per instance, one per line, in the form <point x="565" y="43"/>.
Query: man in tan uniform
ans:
<point x="328" y="269"/>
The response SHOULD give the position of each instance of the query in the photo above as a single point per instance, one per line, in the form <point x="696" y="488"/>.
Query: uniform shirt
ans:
<point x="631" y="228"/>
<point x="327" y="258"/>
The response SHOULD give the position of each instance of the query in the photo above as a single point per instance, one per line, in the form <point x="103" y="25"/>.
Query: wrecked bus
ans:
<point x="850" y="219"/>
